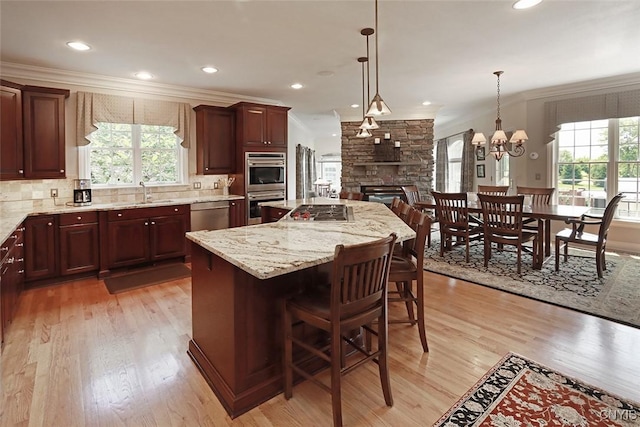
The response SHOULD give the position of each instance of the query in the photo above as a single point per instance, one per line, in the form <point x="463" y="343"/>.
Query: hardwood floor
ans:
<point x="77" y="356"/>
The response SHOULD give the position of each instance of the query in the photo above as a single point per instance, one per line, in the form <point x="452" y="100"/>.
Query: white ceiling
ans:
<point x="440" y="51"/>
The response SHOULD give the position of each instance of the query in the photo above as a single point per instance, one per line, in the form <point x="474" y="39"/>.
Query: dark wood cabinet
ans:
<point x="44" y="143"/>
<point x="261" y="126"/>
<point x="41" y="260"/>
<point x="11" y="144"/>
<point x="272" y="214"/>
<point x="79" y="243"/>
<point x="237" y="217"/>
<point x="131" y="237"/>
<point x="33" y="132"/>
<point x="215" y="140"/>
<point x="11" y="277"/>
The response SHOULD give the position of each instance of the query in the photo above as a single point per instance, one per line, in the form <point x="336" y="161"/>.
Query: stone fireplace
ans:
<point x="367" y="163"/>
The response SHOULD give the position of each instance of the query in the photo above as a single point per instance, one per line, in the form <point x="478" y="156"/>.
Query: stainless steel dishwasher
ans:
<point x="209" y="215"/>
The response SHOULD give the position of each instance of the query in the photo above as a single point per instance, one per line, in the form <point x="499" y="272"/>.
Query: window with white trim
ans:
<point x="124" y="154"/>
<point x="454" y="153"/>
<point x="598" y="159"/>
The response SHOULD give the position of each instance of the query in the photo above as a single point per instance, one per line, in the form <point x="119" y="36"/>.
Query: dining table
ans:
<point x="543" y="213"/>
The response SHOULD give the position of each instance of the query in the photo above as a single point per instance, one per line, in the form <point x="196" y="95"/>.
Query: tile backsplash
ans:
<point x="37" y="193"/>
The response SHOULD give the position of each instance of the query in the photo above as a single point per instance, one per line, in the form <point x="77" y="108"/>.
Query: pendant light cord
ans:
<point x="377" y="34"/>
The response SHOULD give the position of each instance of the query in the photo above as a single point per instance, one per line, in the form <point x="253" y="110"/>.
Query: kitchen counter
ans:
<point x="239" y="278"/>
<point x="277" y="248"/>
<point x="12" y="214"/>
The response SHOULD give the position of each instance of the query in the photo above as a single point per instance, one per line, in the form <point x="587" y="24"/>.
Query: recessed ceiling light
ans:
<point x="143" y="75"/>
<point x="426" y="103"/>
<point x="355" y="105"/>
<point x="210" y="70"/>
<point x="296" y="86"/>
<point x="525" y="4"/>
<point x="334" y="134"/>
<point x="78" y="45"/>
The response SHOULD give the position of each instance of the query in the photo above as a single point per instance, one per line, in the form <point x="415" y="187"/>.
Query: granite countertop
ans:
<point x="277" y="248"/>
<point x="12" y="214"/>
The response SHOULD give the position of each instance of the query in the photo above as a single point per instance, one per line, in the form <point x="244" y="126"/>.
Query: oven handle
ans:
<point x="258" y="162"/>
<point x="264" y="196"/>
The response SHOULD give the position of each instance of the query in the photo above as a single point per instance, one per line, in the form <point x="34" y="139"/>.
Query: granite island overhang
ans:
<point x="239" y="279"/>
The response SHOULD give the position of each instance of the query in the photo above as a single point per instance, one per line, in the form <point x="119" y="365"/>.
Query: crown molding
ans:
<point x="605" y="83"/>
<point x="96" y="81"/>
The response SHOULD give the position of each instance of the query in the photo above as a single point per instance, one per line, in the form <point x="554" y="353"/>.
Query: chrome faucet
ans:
<point x="145" y="196"/>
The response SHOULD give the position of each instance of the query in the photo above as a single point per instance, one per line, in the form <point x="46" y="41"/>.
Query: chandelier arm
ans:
<point x="516" y="151"/>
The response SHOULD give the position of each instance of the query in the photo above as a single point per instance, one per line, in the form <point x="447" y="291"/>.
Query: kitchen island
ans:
<point x="239" y="277"/>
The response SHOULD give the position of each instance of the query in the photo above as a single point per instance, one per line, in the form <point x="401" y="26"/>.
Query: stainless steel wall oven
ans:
<point x="265" y="171"/>
<point x="255" y="198"/>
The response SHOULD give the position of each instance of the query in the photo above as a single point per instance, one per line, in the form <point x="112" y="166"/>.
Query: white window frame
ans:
<point x="84" y="164"/>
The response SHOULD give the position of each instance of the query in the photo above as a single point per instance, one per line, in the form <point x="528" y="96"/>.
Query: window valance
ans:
<point x="595" y="107"/>
<point x="93" y="108"/>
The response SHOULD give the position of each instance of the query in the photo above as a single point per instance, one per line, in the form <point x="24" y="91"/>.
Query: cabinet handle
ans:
<point x="146" y="223"/>
<point x="119" y="214"/>
<point x="61" y="170"/>
<point x="5" y="249"/>
<point x="21" y="229"/>
<point x="9" y="261"/>
<point x="21" y="171"/>
<point x="206" y="169"/>
<point x="79" y="218"/>
<point x="20" y="271"/>
<point x="175" y="209"/>
<point x="49" y="224"/>
<point x="269" y="142"/>
<point x="20" y="245"/>
<point x="20" y="260"/>
<point x="14" y="236"/>
<point x="153" y="223"/>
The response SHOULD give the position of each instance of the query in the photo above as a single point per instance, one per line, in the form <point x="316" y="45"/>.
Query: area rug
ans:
<point x="147" y="277"/>
<point x="520" y="392"/>
<point x="615" y="297"/>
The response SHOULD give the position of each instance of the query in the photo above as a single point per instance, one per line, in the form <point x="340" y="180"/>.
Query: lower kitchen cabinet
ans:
<point x="237" y="213"/>
<point x="41" y="260"/>
<point x="79" y="243"/>
<point x="11" y="277"/>
<point x="272" y="214"/>
<point x="130" y="237"/>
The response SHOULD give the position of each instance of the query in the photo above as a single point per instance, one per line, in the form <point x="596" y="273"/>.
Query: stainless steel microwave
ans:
<point x="266" y="171"/>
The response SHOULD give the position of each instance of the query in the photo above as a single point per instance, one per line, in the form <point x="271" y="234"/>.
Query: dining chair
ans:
<point x="356" y="297"/>
<point x="539" y="196"/>
<point x="502" y="218"/>
<point x="412" y="194"/>
<point x="453" y="214"/>
<point x="576" y="234"/>
<point x="408" y="267"/>
<point x="496" y="190"/>
<point x="351" y="195"/>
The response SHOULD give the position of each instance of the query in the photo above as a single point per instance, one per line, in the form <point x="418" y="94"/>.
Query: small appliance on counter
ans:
<point x="81" y="192"/>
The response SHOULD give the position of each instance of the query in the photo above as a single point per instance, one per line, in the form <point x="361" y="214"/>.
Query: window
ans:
<point x="124" y="154"/>
<point x="454" y="152"/>
<point x="330" y="169"/>
<point x="597" y="159"/>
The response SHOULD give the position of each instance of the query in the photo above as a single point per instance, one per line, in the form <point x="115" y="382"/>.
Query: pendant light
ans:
<point x="363" y="133"/>
<point x="369" y="122"/>
<point x="377" y="107"/>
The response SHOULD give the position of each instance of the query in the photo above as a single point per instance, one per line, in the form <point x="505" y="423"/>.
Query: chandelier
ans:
<point x="363" y="132"/>
<point x="377" y="107"/>
<point x="368" y="122"/>
<point x="499" y="142"/>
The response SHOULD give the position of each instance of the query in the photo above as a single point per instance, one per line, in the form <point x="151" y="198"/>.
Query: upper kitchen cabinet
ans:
<point x="33" y="143"/>
<point x="11" y="146"/>
<point x="260" y="127"/>
<point x="215" y="140"/>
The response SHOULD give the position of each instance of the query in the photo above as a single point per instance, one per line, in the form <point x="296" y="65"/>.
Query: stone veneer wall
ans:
<point x="416" y="145"/>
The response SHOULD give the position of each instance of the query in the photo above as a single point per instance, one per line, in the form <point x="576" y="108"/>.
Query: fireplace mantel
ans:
<point x="388" y="163"/>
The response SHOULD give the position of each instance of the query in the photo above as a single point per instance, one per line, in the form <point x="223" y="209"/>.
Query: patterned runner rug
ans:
<point x="519" y="392"/>
<point x="616" y="296"/>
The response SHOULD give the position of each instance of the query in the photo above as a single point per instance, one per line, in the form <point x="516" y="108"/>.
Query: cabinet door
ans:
<point x="11" y="145"/>
<point x="44" y="153"/>
<point x="167" y="237"/>
<point x="79" y="249"/>
<point x="215" y="139"/>
<point x="128" y="242"/>
<point x="254" y="126"/>
<point x="40" y="248"/>
<point x="237" y="214"/>
<point x="277" y="122"/>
